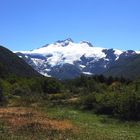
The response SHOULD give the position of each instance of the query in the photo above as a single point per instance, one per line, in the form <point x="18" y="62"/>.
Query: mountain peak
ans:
<point x="69" y="39"/>
<point x="65" y="41"/>
<point x="86" y="42"/>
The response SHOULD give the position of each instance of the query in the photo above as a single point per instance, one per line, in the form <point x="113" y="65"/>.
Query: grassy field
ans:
<point x="92" y="127"/>
<point x="62" y="123"/>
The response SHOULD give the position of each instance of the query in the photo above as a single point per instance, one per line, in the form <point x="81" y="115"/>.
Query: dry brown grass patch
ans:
<point x="19" y="117"/>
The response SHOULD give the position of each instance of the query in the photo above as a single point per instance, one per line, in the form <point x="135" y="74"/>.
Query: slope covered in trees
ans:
<point x="11" y="64"/>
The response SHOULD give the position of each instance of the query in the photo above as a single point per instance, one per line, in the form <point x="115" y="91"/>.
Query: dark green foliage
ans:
<point x="88" y="102"/>
<point x="117" y="97"/>
<point x="105" y="104"/>
<point x="26" y="91"/>
<point x="51" y="86"/>
<point x="128" y="106"/>
<point x="2" y="99"/>
<point x="123" y="105"/>
<point x="2" y="94"/>
<point x="97" y="83"/>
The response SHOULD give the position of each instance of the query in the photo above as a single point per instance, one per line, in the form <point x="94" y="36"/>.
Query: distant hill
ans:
<point x="11" y="64"/>
<point x="127" y="67"/>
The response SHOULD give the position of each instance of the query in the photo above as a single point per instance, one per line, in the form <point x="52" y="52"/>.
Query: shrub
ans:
<point x="128" y="106"/>
<point x="51" y="86"/>
<point x="87" y="101"/>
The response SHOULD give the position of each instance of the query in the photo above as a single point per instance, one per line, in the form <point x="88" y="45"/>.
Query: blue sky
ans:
<point x="28" y="24"/>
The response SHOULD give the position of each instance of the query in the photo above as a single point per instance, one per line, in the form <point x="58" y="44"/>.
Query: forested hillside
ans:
<point x="11" y="64"/>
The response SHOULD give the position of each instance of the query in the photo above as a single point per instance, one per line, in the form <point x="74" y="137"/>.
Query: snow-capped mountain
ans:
<point x="67" y="59"/>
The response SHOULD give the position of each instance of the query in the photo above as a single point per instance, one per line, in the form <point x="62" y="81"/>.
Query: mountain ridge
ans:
<point x="82" y="58"/>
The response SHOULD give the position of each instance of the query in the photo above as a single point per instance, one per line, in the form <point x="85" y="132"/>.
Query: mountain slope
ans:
<point x="11" y="64"/>
<point x="66" y="59"/>
<point x="127" y="67"/>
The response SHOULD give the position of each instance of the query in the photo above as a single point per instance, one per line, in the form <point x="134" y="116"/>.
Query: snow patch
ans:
<point x="117" y="53"/>
<point x="82" y="66"/>
<point x="45" y="74"/>
<point x="88" y="73"/>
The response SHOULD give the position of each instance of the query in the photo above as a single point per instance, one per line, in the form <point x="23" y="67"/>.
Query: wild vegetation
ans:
<point x="85" y="108"/>
<point x="116" y="97"/>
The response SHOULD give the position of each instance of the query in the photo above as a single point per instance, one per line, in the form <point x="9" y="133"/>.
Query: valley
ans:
<point x="70" y="70"/>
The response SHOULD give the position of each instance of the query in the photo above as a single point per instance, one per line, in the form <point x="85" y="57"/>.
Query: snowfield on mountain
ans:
<point x="67" y="59"/>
